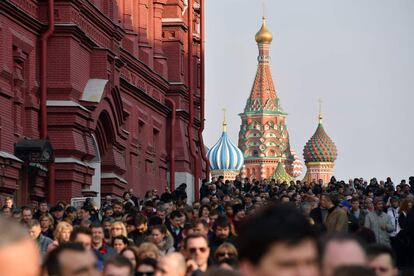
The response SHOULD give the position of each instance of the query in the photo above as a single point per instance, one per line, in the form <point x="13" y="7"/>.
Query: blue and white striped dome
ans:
<point x="224" y="155"/>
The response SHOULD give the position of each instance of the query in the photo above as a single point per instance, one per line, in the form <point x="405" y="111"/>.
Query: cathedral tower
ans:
<point x="319" y="153"/>
<point x="263" y="136"/>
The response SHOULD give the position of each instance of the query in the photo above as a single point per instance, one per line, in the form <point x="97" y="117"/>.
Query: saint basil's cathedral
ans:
<point x="264" y="150"/>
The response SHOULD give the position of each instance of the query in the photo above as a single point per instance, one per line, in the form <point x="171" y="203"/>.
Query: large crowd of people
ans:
<point x="241" y="227"/>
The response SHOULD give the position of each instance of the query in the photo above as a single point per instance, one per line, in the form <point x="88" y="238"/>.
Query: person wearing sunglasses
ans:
<point x="224" y="251"/>
<point x="146" y="267"/>
<point x="197" y="251"/>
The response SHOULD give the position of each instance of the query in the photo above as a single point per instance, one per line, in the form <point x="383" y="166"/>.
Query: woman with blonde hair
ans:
<point x="46" y="224"/>
<point x="117" y="229"/>
<point x="225" y="251"/>
<point x="148" y="250"/>
<point x="61" y="234"/>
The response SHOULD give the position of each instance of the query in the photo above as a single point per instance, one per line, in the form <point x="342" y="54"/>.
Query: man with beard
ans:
<point x="222" y="233"/>
<point x="380" y="223"/>
<point x="118" y="209"/>
<point x="141" y="231"/>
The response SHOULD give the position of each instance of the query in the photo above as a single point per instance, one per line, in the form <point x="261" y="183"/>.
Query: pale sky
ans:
<point x="357" y="55"/>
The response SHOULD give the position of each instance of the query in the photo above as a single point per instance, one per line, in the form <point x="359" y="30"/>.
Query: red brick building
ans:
<point x="115" y="86"/>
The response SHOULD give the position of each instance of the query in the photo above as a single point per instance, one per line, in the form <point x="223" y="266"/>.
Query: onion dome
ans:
<point x="263" y="36"/>
<point x="281" y="174"/>
<point x="320" y="147"/>
<point x="224" y="155"/>
<point x="297" y="165"/>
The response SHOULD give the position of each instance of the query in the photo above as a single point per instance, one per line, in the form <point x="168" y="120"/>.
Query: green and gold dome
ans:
<point x="281" y="175"/>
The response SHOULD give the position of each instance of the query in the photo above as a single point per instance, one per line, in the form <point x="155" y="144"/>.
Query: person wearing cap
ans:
<point x="379" y="222"/>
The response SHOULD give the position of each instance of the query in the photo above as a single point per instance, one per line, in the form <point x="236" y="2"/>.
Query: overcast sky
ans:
<point x="357" y="55"/>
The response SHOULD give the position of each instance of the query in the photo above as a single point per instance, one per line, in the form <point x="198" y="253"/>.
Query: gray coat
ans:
<point x="374" y="222"/>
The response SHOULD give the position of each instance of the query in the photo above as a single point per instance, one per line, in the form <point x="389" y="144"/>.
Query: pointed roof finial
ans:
<point x="263" y="36"/>
<point x="320" y="117"/>
<point x="224" y="120"/>
<point x="264" y="9"/>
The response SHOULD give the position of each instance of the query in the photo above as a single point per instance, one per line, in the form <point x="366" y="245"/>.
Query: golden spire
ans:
<point x="320" y="117"/>
<point x="264" y="36"/>
<point x="224" y="120"/>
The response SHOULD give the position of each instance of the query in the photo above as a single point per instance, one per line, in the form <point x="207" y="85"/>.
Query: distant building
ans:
<point x="263" y="136"/>
<point x="320" y="154"/>
<point x="109" y="96"/>
<point x="225" y="158"/>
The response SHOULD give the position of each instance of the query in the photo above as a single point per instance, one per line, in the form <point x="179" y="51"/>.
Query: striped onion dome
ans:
<point x="320" y="147"/>
<point x="281" y="174"/>
<point x="224" y="155"/>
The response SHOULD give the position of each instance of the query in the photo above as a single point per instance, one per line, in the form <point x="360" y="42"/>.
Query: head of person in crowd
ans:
<point x="85" y="213"/>
<point x="118" y="229"/>
<point x="369" y="204"/>
<point x="382" y="260"/>
<point x="107" y="223"/>
<point x="71" y="259"/>
<point x="278" y="240"/>
<point x="118" y="265"/>
<point x="204" y="212"/>
<point x="146" y="267"/>
<point x="197" y="251"/>
<point x="141" y="224"/>
<point x="176" y="218"/>
<point x="98" y="235"/>
<point x="224" y="251"/>
<point x="83" y="236"/>
<point x="341" y="250"/>
<point x="119" y="243"/>
<point x="379" y="205"/>
<point x="108" y="211"/>
<point x="395" y="202"/>
<point x="70" y="214"/>
<point x="131" y="253"/>
<point x="34" y="229"/>
<point x="238" y="212"/>
<point x="6" y="211"/>
<point x="118" y="209"/>
<point x="46" y="221"/>
<point x="200" y="226"/>
<point x="43" y="207"/>
<point x="406" y="205"/>
<point x="62" y="232"/>
<point x="17" y="214"/>
<point x="222" y="228"/>
<point x="172" y="264"/>
<point x="27" y="214"/>
<point x="353" y="270"/>
<point x="57" y="212"/>
<point x="8" y="201"/>
<point x="354" y="204"/>
<point x="148" y="250"/>
<point x="19" y="254"/>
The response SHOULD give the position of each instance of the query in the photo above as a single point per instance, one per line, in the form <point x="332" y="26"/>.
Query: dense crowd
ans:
<point x="239" y="227"/>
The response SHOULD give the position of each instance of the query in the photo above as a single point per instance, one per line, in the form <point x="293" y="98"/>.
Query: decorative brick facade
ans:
<point x="113" y="69"/>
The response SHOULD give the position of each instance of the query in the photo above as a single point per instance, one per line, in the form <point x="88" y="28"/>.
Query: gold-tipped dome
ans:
<point x="263" y="35"/>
